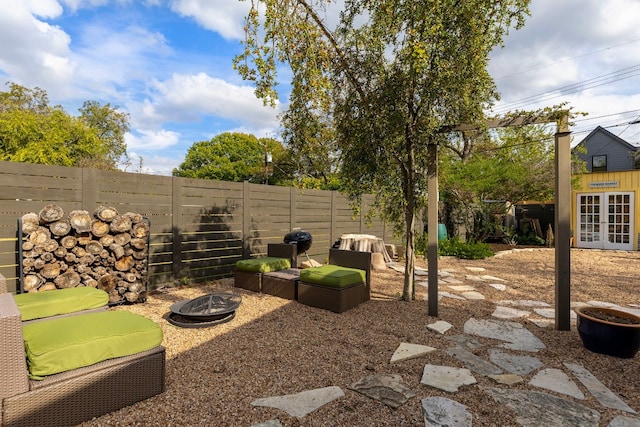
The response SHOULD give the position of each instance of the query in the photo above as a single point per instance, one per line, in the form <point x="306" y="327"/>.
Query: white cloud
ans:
<point x="33" y="52"/>
<point x="188" y="98"/>
<point x="146" y="139"/>
<point x="223" y="16"/>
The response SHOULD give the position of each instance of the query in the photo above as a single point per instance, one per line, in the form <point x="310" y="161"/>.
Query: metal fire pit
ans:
<point x="301" y="238"/>
<point x="208" y="310"/>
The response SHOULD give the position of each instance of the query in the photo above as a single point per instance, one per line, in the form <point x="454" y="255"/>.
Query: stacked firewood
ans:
<point x="104" y="250"/>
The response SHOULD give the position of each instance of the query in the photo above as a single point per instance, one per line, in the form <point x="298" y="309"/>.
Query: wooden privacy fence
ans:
<point x="199" y="228"/>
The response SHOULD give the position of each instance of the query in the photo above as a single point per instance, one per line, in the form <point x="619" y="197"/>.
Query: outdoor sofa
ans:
<point x="76" y="390"/>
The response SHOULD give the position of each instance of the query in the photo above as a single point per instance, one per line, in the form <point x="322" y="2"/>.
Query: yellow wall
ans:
<point x="628" y="181"/>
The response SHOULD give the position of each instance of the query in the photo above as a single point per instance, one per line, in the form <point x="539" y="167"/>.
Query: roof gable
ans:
<point x="609" y="135"/>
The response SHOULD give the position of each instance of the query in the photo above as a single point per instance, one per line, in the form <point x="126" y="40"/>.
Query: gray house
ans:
<point x="606" y="152"/>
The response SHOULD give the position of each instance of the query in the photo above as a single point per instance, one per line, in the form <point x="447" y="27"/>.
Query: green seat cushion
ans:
<point x="61" y="301"/>
<point x="263" y="265"/>
<point x="333" y="276"/>
<point x="66" y="343"/>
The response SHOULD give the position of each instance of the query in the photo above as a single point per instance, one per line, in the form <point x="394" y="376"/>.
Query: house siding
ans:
<point x="603" y="142"/>
<point x="605" y="182"/>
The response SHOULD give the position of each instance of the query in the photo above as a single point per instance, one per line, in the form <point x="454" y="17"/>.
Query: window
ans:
<point x="598" y="163"/>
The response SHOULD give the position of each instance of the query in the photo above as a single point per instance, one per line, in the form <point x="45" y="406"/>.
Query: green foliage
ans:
<point x="481" y="179"/>
<point x="464" y="250"/>
<point x="529" y="239"/>
<point x="236" y="157"/>
<point x="32" y="131"/>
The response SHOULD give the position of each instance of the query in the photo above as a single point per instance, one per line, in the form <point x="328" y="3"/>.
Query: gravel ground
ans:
<point x="275" y="347"/>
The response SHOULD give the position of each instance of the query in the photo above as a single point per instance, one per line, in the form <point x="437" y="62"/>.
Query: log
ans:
<point x="47" y="287"/>
<point x="50" y="270"/>
<point x="90" y="283"/>
<point x="60" y="252"/>
<point x="69" y="242"/>
<point x="50" y="245"/>
<point x="94" y="247"/>
<point x="47" y="256"/>
<point x="50" y="213"/>
<point x="138" y="243"/>
<point x="122" y="239"/>
<point x="142" y="254"/>
<point x="30" y="223"/>
<point x="70" y="279"/>
<point x="80" y="221"/>
<point x="84" y="238"/>
<point x="140" y="230"/>
<point x="134" y="217"/>
<point x="107" y="282"/>
<point x="136" y="287"/>
<point x="27" y="245"/>
<point x="117" y="251"/>
<point x="120" y="224"/>
<point x="131" y="296"/>
<point x="107" y="240"/>
<point x="32" y="281"/>
<point x="38" y="263"/>
<point x="124" y="264"/>
<point x="40" y="236"/>
<point x="60" y="228"/>
<point x="106" y="214"/>
<point x="99" y="228"/>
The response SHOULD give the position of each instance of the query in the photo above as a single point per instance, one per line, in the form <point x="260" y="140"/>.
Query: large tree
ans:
<point x="392" y="76"/>
<point x="235" y="156"/>
<point x="33" y="131"/>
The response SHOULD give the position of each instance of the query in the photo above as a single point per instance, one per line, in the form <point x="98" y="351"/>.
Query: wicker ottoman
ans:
<point x="332" y="287"/>
<point x="283" y="283"/>
<point x="248" y="274"/>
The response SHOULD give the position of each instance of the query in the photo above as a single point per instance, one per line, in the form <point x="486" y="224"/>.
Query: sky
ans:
<point x="168" y="64"/>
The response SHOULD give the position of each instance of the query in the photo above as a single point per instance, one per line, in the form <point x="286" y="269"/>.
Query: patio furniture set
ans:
<point x="339" y="286"/>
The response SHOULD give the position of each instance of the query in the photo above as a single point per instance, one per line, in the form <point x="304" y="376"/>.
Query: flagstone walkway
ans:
<point x="534" y="407"/>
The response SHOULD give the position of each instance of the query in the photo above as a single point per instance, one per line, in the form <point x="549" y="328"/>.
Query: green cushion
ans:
<point x="61" y="301"/>
<point x="66" y="343"/>
<point x="263" y="265"/>
<point x="333" y="275"/>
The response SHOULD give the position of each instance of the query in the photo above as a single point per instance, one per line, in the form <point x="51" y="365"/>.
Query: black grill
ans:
<point x="302" y="239"/>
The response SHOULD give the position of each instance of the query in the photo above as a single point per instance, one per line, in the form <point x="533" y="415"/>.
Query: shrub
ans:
<point x="464" y="250"/>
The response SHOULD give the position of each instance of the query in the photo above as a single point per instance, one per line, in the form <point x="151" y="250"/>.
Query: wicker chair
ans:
<point x="339" y="300"/>
<point x="71" y="397"/>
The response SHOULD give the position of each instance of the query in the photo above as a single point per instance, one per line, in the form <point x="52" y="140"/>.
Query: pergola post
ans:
<point x="563" y="225"/>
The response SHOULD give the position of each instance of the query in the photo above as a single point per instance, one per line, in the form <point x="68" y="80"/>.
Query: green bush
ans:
<point x="530" y="239"/>
<point x="464" y="250"/>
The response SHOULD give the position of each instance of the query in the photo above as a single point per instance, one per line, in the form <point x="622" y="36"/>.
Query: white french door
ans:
<point x="605" y="220"/>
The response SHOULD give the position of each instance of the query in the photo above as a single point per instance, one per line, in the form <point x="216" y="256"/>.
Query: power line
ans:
<point x="612" y="77"/>
<point x="565" y="60"/>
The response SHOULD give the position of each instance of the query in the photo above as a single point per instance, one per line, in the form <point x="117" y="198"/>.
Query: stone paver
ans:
<point x="514" y="363"/>
<point x="622" y="421"/>
<point x="446" y="378"/>
<point x="440" y="326"/>
<point x="473" y="295"/>
<point x="498" y="286"/>
<point x="472" y="362"/>
<point x="303" y="403"/>
<point x="602" y="394"/>
<point x="507" y="379"/>
<point x="535" y="409"/>
<point x="406" y="351"/>
<point x="556" y="380"/>
<point x="516" y="335"/>
<point x="502" y="312"/>
<point x="443" y="412"/>
<point x="387" y="388"/>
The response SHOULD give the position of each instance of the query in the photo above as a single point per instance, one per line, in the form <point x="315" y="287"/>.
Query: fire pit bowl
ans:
<point x="301" y="238"/>
<point x="207" y="310"/>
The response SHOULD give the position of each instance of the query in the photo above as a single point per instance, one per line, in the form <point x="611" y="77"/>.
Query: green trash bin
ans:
<point x="442" y="232"/>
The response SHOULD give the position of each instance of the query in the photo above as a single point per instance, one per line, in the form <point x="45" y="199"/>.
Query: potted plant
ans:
<point x="609" y="331"/>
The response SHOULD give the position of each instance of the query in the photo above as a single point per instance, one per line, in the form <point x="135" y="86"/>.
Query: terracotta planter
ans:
<point x="609" y="331"/>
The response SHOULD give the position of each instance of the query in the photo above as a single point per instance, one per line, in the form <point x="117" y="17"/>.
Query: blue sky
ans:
<point x="168" y="64"/>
